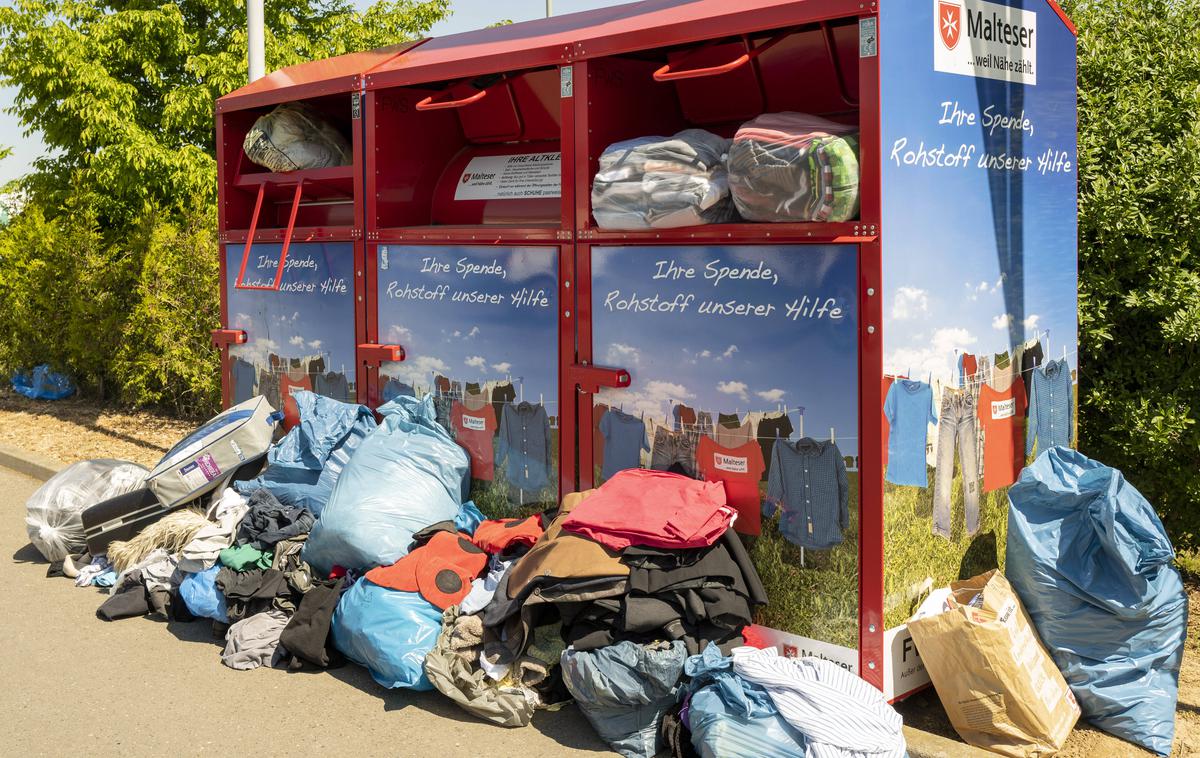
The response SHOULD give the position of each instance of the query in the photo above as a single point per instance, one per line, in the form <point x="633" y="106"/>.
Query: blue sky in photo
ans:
<point x="944" y="287"/>
<point x="473" y="341"/>
<point x="295" y="324"/>
<point x="466" y="15"/>
<point x="727" y="363"/>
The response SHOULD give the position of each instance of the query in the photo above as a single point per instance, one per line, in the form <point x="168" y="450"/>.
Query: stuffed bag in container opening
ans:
<point x="53" y="514"/>
<point x="404" y="476"/>
<point x="794" y="167"/>
<point x="1091" y="562"/>
<point x="294" y="137"/>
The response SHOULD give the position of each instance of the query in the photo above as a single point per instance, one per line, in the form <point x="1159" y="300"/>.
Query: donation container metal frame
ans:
<point x="436" y="111"/>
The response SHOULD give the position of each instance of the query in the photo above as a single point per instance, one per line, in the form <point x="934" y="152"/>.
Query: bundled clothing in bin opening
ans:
<point x="293" y="137"/>
<point x="524" y="446"/>
<point x="794" y="167"/>
<point x="809" y="485"/>
<point x="663" y="182"/>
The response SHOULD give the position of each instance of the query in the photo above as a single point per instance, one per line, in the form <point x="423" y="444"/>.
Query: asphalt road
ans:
<point x="75" y="685"/>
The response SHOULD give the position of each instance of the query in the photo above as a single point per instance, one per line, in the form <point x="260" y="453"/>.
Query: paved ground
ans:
<point x="75" y="685"/>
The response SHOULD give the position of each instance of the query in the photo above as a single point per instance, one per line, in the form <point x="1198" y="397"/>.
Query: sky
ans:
<point x="467" y="15"/>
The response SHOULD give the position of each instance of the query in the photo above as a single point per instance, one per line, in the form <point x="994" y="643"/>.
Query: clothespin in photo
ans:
<point x="833" y="435"/>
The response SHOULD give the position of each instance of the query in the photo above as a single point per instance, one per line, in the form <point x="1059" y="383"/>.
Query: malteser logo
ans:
<point x="466" y="177"/>
<point x="950" y="23"/>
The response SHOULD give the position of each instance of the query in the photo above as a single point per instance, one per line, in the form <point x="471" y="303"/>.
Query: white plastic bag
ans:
<point x="293" y="137"/>
<point x="52" y="514"/>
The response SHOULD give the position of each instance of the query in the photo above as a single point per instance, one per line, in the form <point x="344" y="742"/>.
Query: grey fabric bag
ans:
<point x="206" y="458"/>
<point x="624" y="689"/>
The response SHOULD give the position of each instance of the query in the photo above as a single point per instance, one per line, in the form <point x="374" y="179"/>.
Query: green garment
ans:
<point x="244" y="558"/>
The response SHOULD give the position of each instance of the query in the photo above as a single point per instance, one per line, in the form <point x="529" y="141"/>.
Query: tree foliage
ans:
<point x="110" y="270"/>
<point x="1139" y="238"/>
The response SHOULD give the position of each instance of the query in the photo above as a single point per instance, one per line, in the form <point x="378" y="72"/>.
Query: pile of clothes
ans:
<point x="779" y="167"/>
<point x="632" y="599"/>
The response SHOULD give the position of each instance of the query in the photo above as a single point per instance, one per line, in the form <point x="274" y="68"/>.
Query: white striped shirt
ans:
<point x="841" y="715"/>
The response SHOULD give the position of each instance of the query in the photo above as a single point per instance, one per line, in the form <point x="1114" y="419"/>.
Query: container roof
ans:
<point x="534" y="44"/>
<point x="312" y="79"/>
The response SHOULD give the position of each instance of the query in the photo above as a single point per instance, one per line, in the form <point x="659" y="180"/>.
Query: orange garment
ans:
<point x="288" y="385"/>
<point x="740" y="469"/>
<point x="1002" y="418"/>
<point x="497" y="535"/>
<point x="441" y="570"/>
<point x="474" y="431"/>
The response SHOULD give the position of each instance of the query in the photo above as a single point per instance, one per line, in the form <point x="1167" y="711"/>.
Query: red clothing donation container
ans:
<point x="756" y="354"/>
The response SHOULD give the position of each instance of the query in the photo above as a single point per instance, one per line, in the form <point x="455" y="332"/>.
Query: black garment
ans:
<point x="698" y="596"/>
<point x="55" y="569"/>
<point x="729" y="420"/>
<point x="132" y="598"/>
<point x="268" y="521"/>
<point x="306" y="636"/>
<point x="250" y="592"/>
<point x="473" y="388"/>
<point x="502" y="394"/>
<point x="1031" y="358"/>
<point x="676" y="737"/>
<point x="768" y="429"/>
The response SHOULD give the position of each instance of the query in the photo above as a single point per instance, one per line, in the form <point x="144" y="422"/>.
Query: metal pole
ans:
<point x="549" y="8"/>
<point x="254" y="38"/>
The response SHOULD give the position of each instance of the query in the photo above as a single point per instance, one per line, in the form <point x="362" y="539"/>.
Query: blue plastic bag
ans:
<point x="202" y="597"/>
<point x="469" y="518"/>
<point x="732" y="718"/>
<point x="404" y="476"/>
<point x="388" y="631"/>
<point x="1092" y="564"/>
<point x="304" y="466"/>
<point x="43" y="384"/>
<point x="623" y="689"/>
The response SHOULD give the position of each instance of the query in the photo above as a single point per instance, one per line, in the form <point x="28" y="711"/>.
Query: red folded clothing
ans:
<point x="441" y="570"/>
<point x="498" y="535"/>
<point x="654" y="509"/>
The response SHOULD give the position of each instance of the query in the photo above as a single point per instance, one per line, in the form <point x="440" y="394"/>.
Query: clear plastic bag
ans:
<point x="53" y="513"/>
<point x="294" y="137"/>
<point x="663" y="182"/>
<point x="794" y="167"/>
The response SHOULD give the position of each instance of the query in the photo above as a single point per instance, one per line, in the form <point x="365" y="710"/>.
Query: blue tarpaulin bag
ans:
<point x="304" y="466"/>
<point x="732" y="718"/>
<point x="43" y="384"/>
<point x="405" y="476"/>
<point x="1092" y="564"/>
<point x="388" y="631"/>
<point x="202" y="597"/>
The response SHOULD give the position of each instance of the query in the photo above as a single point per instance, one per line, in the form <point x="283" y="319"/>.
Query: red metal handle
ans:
<point x="226" y="337"/>
<point x="428" y="104"/>
<point x="665" y="74"/>
<point x="287" y="241"/>
<point x="373" y="354"/>
<point x="592" y="378"/>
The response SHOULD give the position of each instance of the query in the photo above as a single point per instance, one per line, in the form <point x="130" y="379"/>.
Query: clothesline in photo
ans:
<point x="977" y="380"/>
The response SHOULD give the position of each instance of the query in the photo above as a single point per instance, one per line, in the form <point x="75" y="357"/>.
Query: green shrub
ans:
<point x="166" y="358"/>
<point x="1139" y="237"/>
